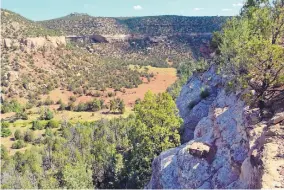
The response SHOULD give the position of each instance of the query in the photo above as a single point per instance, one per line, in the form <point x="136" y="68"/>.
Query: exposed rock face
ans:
<point x="35" y="43"/>
<point x="229" y="145"/>
<point x="190" y="104"/>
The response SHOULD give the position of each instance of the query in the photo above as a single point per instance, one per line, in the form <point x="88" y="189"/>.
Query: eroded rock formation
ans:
<point x="34" y="43"/>
<point x="226" y="144"/>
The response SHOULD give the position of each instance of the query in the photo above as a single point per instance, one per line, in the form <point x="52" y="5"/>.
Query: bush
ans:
<point x="12" y="106"/>
<point x="47" y="115"/>
<point x="37" y="125"/>
<point x="29" y="136"/>
<point x="18" y="135"/>
<point x="4" y="124"/>
<point x="5" y="132"/>
<point x="204" y="93"/>
<point x="48" y="101"/>
<point x="22" y="115"/>
<point x="29" y="105"/>
<point x="81" y="107"/>
<point x="53" y="124"/>
<point x="71" y="106"/>
<point x="18" y="144"/>
<point x="62" y="106"/>
<point x="72" y="98"/>
<point x="59" y="101"/>
<point x="4" y="153"/>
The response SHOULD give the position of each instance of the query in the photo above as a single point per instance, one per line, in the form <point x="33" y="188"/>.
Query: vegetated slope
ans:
<point x="16" y="26"/>
<point x="173" y="25"/>
<point x="34" y="66"/>
<point x="155" y="40"/>
<point x="168" y="52"/>
<point x="82" y="24"/>
<point x="39" y="72"/>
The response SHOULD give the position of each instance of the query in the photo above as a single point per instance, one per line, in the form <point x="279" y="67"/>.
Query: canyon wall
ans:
<point x="225" y="143"/>
<point x="34" y="43"/>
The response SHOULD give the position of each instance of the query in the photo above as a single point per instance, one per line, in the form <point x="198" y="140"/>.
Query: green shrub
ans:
<point x="5" y="132"/>
<point x="29" y="105"/>
<point x="22" y="115"/>
<point x="4" y="153"/>
<point x="53" y="124"/>
<point x="18" y="135"/>
<point x="62" y="106"/>
<point x="37" y="125"/>
<point x="29" y="136"/>
<point x="47" y="115"/>
<point x="48" y="101"/>
<point x="81" y="107"/>
<point x="4" y="124"/>
<point x="204" y="93"/>
<point x="12" y="106"/>
<point x="18" y="144"/>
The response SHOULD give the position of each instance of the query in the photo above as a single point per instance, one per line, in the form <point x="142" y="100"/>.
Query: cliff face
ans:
<point x="226" y="144"/>
<point x="34" y="43"/>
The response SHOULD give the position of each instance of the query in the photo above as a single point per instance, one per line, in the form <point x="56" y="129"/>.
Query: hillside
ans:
<point x="81" y="24"/>
<point x="16" y="26"/>
<point x="156" y="39"/>
<point x="34" y="62"/>
<point x="56" y="62"/>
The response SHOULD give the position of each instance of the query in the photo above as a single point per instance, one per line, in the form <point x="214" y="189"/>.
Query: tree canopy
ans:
<point x="252" y="50"/>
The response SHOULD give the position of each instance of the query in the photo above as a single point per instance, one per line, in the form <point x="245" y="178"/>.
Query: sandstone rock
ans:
<point x="199" y="149"/>
<point x="36" y="43"/>
<point x="277" y="118"/>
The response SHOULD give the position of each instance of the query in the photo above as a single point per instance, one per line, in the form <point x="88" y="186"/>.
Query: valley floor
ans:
<point x="163" y="78"/>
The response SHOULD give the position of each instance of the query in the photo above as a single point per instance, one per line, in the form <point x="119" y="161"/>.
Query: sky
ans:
<point x="48" y="9"/>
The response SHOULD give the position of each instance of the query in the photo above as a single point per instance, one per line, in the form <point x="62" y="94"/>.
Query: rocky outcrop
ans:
<point x="228" y="145"/>
<point x="191" y="105"/>
<point x="34" y="43"/>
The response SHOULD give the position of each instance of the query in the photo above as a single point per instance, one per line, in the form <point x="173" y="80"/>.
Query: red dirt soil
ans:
<point x="158" y="84"/>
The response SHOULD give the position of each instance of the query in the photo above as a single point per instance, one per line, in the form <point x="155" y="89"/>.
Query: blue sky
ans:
<point x="48" y="9"/>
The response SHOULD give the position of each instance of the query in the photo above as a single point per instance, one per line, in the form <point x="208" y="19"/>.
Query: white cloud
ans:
<point x="226" y="9"/>
<point x="198" y="9"/>
<point x="238" y="4"/>
<point x="137" y="7"/>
